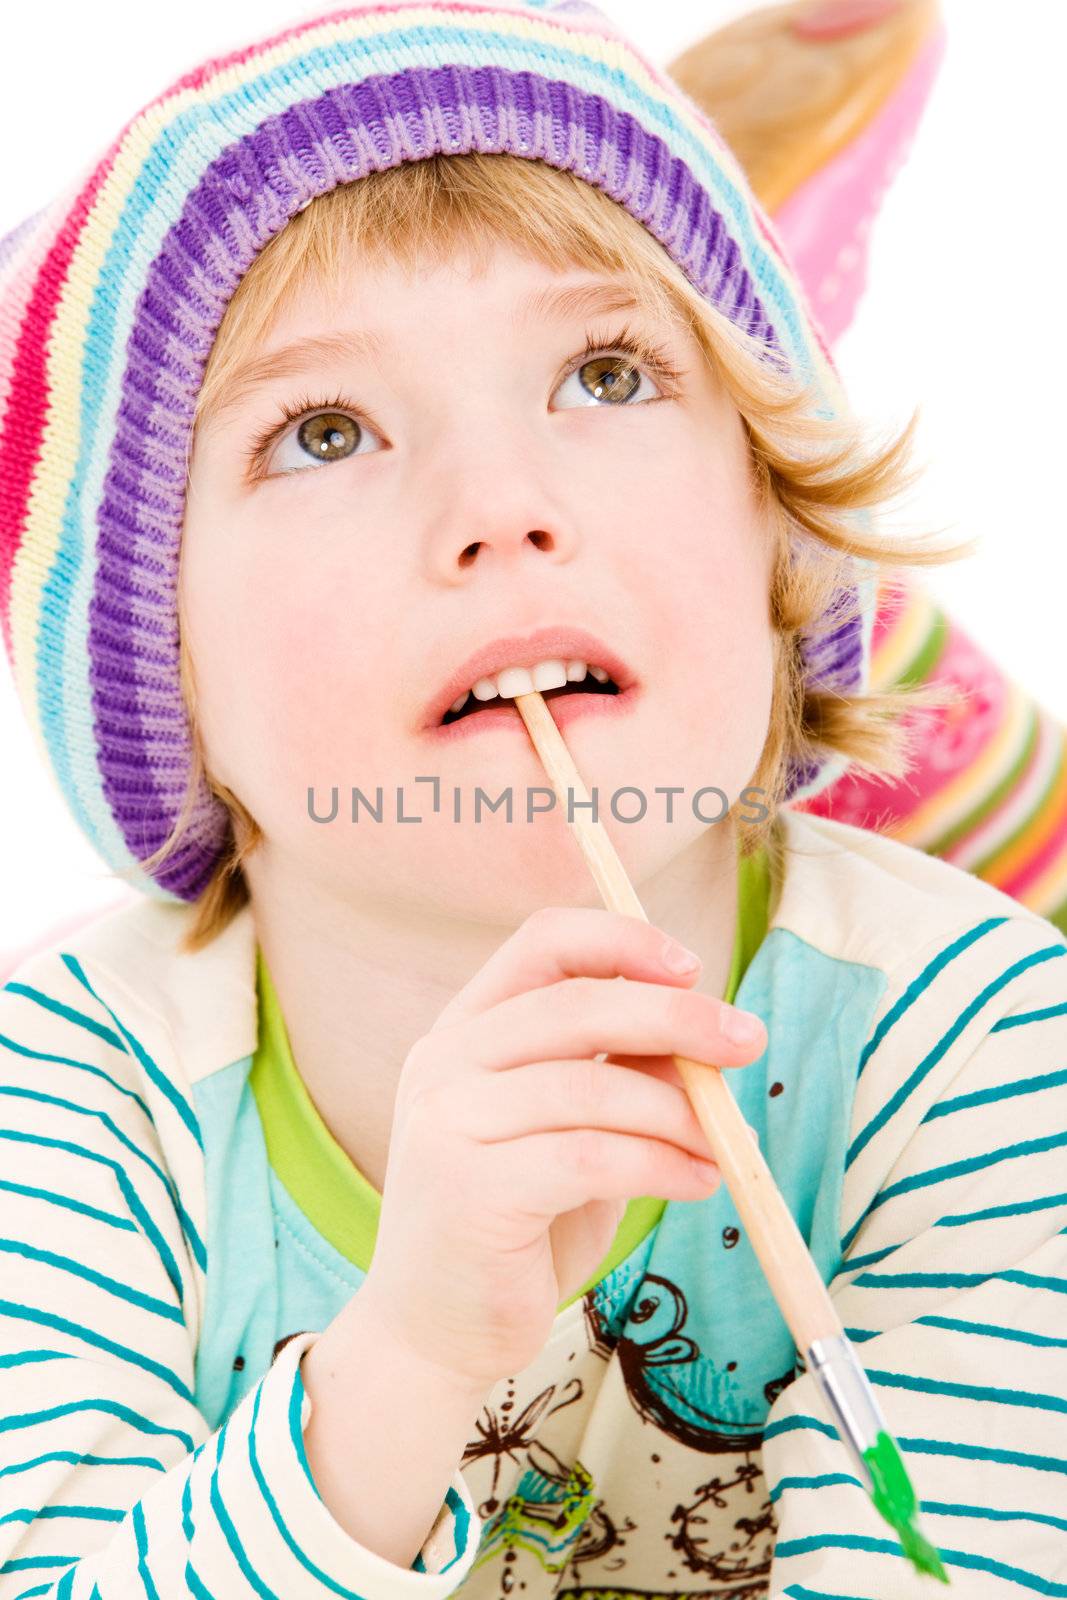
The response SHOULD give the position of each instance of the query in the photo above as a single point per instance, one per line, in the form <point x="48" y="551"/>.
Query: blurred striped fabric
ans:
<point x="987" y="790"/>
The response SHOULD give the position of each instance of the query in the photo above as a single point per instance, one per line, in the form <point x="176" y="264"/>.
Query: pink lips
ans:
<point x="525" y="650"/>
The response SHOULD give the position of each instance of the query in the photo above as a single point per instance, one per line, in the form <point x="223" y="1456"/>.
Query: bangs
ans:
<point x="445" y="208"/>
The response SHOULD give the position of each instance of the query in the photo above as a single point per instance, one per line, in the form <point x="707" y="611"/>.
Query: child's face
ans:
<point x="473" y="488"/>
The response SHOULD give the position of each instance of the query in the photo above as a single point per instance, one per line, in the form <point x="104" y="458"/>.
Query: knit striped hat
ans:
<point x="111" y="296"/>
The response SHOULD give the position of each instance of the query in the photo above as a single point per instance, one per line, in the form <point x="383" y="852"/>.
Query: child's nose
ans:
<point x="540" y="538"/>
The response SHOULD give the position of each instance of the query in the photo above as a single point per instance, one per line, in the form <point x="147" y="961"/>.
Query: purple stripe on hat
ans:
<point x="800" y="774"/>
<point x="834" y="663"/>
<point x="834" y="655"/>
<point x="248" y="193"/>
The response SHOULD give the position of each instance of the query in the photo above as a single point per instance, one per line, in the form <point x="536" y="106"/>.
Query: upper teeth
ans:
<point x="524" y="680"/>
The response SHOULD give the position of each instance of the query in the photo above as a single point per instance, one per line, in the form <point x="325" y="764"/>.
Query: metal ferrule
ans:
<point x="850" y="1397"/>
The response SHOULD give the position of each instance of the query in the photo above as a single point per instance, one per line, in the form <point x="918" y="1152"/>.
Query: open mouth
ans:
<point x="563" y="663"/>
<point x="589" y="685"/>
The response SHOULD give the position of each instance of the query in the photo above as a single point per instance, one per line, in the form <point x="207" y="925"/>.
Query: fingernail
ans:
<point x="741" y="1027"/>
<point x="676" y="958"/>
<point x="836" y="19"/>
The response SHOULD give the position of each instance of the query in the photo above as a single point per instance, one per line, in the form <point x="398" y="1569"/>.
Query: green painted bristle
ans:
<point x="895" y="1499"/>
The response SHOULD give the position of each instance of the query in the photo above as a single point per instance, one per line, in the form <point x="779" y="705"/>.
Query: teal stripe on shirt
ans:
<point x="822" y="1480"/>
<point x="1029" y="1398"/>
<point x="89" y="1336"/>
<point x="923" y="982"/>
<point x="128" y="1192"/>
<point x="20" y="1358"/>
<point x="68" y="1204"/>
<point x="993" y="1213"/>
<point x="800" y="1591"/>
<point x="1025" y="1017"/>
<point x="30" y="1514"/>
<point x="1001" y="1091"/>
<point x="940" y="1508"/>
<point x="958" y="1280"/>
<point x="141" y="1537"/>
<point x="957" y="1169"/>
<point x="974" y="1452"/>
<point x="48" y="1002"/>
<point x="871" y="1259"/>
<point x="951" y="1558"/>
<point x="132" y="1043"/>
<point x="76" y="1460"/>
<point x="194" y="1582"/>
<point x="111" y="1408"/>
<point x="993" y="1330"/>
<point x="279" y="1520"/>
<point x="225" y="1522"/>
<point x="111" y="1286"/>
<point x="78" y="1066"/>
<point x="929" y="1061"/>
<point x="801" y="1422"/>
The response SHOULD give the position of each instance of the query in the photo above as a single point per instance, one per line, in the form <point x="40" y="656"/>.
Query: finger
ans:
<point x="578" y="1017"/>
<point x="564" y="942"/>
<point x="546" y="1096"/>
<point x="550" y="1173"/>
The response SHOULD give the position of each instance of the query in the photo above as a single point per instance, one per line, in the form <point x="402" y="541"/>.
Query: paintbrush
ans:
<point x="794" y="1279"/>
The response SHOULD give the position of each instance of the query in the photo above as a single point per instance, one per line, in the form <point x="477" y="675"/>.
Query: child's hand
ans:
<point x="513" y="1152"/>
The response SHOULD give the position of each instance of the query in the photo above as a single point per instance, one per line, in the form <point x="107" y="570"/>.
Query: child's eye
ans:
<point x="326" y="435"/>
<point x="332" y="430"/>
<point x="607" y="377"/>
<point x="610" y="378"/>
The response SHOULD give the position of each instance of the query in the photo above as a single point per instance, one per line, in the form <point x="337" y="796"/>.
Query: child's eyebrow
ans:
<point x="303" y="355"/>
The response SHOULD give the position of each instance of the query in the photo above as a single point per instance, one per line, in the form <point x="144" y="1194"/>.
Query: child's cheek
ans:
<point x="326" y="684"/>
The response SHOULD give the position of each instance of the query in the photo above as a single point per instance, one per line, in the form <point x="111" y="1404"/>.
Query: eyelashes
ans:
<point x="305" y="406"/>
<point x="631" y="342"/>
<point x="628" y="342"/>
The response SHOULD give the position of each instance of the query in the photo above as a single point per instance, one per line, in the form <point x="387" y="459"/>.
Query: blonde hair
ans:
<point x="810" y="473"/>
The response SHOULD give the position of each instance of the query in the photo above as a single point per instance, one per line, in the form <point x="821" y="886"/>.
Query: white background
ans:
<point x="963" y="316"/>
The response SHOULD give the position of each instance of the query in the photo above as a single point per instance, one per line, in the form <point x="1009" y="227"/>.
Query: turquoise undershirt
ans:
<point x="328" y="1187"/>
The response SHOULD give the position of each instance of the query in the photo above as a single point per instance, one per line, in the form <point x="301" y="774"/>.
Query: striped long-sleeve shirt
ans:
<point x="159" y="1284"/>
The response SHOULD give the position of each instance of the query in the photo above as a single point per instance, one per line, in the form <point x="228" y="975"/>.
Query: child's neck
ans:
<point x="358" y="986"/>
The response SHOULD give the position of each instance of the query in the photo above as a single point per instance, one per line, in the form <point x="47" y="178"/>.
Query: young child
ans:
<point x="351" y="1238"/>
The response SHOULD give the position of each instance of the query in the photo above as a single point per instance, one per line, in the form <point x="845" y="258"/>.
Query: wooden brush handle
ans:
<point x="793" y="1277"/>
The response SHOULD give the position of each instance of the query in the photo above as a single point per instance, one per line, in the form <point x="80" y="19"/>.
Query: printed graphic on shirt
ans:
<point x="557" y="1513"/>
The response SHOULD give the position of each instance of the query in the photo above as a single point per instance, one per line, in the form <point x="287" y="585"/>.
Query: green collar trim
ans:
<point x="326" y="1184"/>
